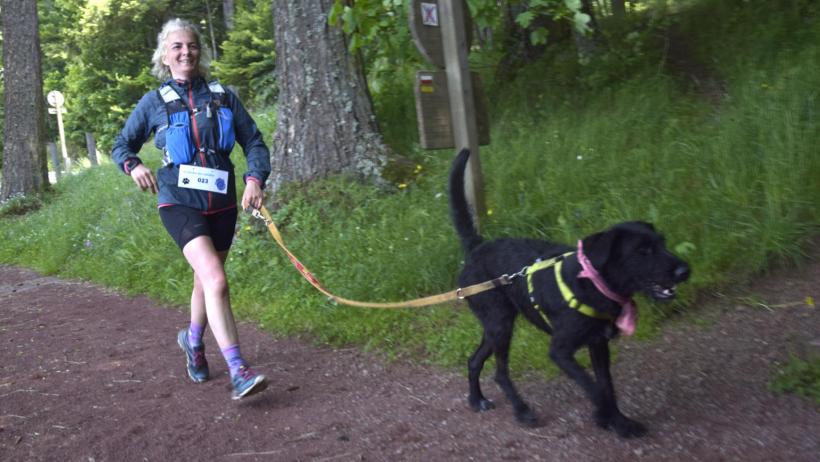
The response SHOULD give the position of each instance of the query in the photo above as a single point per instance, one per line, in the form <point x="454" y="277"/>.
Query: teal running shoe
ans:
<point x="246" y="382"/>
<point x="195" y="358"/>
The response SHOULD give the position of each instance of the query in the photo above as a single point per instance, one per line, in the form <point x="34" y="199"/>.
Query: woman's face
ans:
<point x="181" y="54"/>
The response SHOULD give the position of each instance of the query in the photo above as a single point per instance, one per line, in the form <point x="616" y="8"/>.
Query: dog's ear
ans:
<point x="645" y="225"/>
<point x="599" y="247"/>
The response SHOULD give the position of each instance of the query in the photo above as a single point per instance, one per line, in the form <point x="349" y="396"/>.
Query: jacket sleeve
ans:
<point x="251" y="140"/>
<point x="136" y="132"/>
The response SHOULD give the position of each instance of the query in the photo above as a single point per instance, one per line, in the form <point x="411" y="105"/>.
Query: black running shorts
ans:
<point x="184" y="224"/>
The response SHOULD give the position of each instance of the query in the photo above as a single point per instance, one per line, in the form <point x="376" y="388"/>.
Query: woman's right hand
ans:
<point x="143" y="177"/>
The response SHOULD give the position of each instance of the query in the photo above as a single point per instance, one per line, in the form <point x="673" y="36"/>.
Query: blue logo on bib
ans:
<point x="220" y="184"/>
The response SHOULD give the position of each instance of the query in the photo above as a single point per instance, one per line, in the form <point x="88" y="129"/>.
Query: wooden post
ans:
<point x="91" y="144"/>
<point x="56" y="100"/>
<point x="55" y="159"/>
<point x="462" y="102"/>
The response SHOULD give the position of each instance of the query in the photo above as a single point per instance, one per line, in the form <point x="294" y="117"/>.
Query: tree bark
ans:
<point x="325" y="119"/>
<point x="25" y="168"/>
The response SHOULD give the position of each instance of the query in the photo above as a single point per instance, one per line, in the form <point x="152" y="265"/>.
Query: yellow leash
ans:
<point x="459" y="293"/>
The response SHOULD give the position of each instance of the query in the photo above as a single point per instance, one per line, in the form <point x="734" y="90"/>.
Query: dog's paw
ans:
<point x="481" y="405"/>
<point x="628" y="428"/>
<point x="623" y="425"/>
<point x="526" y="417"/>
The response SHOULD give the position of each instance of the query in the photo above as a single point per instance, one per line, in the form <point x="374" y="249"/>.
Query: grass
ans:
<point x="799" y="376"/>
<point x="732" y="186"/>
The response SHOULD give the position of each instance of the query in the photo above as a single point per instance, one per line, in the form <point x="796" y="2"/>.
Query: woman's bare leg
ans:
<point x="211" y="295"/>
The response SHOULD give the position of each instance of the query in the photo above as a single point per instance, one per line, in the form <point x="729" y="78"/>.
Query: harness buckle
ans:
<point x="460" y="294"/>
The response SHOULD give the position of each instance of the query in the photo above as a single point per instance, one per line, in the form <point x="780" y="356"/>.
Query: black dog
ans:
<point x="552" y="286"/>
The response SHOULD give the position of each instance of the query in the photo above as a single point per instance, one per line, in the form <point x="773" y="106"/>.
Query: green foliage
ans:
<point x="19" y="205"/>
<point x="99" y="55"/>
<point x="379" y="30"/>
<point x="557" y="10"/>
<point x="248" y="56"/>
<point x="799" y="376"/>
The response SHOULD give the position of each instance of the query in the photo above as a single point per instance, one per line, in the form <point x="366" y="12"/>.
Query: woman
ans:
<point x="195" y="124"/>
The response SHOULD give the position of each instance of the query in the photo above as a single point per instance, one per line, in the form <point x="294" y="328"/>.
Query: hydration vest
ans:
<point x="180" y="145"/>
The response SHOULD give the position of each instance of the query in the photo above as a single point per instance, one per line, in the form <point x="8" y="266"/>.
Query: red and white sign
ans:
<point x="426" y="83"/>
<point x="429" y="14"/>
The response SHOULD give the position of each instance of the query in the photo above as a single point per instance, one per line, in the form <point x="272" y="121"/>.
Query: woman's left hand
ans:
<point x="253" y="196"/>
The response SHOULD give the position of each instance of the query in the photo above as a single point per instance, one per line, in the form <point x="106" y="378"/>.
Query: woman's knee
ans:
<point x="215" y="282"/>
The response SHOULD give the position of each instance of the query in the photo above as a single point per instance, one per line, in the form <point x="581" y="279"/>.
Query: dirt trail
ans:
<point x="89" y="375"/>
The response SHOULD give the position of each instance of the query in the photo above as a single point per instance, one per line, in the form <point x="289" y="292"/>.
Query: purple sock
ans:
<point x="234" y="358"/>
<point x="195" y="333"/>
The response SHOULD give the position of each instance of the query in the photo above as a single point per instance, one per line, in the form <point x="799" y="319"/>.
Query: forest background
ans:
<point x="697" y="115"/>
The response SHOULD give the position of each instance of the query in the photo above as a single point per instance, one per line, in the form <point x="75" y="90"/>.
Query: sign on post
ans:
<point x="425" y="27"/>
<point x="442" y="31"/>
<point x="433" y="110"/>
<point x="56" y="100"/>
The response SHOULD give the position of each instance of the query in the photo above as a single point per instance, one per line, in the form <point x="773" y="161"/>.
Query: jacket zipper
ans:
<point x="192" y="107"/>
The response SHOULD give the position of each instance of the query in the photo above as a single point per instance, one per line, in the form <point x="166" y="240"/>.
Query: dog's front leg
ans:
<point x="562" y="353"/>
<point x="607" y="413"/>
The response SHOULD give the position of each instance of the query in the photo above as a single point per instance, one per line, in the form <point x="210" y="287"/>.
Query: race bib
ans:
<point x="205" y="179"/>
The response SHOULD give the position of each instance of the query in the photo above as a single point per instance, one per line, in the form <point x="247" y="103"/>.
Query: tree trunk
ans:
<point x="618" y="8"/>
<point x="211" y="29"/>
<point x="25" y="168"/>
<point x="325" y="119"/>
<point x="586" y="44"/>
<point x="228" y="12"/>
<point x="91" y="145"/>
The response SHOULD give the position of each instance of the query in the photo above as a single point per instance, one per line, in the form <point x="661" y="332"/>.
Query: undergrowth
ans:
<point x="799" y="376"/>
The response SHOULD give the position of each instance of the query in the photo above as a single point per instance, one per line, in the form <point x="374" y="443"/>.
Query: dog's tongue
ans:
<point x="628" y="318"/>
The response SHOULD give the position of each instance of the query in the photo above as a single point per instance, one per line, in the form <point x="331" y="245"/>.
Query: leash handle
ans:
<point x="457" y="294"/>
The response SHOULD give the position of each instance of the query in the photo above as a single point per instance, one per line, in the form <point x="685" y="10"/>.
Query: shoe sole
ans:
<point x="259" y="384"/>
<point x="187" y="363"/>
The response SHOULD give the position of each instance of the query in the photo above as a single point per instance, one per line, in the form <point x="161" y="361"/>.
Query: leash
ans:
<point x="457" y="294"/>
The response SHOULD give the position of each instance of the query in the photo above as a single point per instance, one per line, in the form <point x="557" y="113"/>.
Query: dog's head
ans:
<point x="632" y="257"/>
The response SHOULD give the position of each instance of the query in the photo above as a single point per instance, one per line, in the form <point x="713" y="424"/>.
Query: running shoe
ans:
<point x="195" y="358"/>
<point x="246" y="382"/>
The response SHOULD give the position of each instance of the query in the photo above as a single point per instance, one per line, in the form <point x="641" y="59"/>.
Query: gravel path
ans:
<point x="87" y="374"/>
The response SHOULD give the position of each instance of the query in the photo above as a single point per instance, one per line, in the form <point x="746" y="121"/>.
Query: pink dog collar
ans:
<point x="628" y="318"/>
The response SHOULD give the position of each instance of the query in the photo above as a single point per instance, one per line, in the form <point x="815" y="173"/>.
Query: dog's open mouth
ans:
<point x="660" y="292"/>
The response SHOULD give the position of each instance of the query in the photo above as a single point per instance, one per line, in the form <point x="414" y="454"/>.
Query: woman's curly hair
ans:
<point x="163" y="72"/>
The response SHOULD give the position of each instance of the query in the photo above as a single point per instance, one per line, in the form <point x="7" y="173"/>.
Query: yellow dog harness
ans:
<point x="563" y="287"/>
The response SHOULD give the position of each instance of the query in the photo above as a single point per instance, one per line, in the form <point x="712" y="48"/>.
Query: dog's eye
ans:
<point x="646" y="250"/>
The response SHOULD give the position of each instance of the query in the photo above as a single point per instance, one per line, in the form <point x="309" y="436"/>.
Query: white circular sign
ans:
<point x="55" y="98"/>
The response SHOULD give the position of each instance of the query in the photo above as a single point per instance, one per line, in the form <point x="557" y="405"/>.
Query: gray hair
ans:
<point x="163" y="72"/>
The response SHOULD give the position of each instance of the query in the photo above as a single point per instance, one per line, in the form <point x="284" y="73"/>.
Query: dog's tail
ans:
<point x="462" y="218"/>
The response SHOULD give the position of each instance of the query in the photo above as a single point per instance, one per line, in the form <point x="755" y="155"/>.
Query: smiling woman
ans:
<point x="182" y="56"/>
<point x="179" y="39"/>
<point x="196" y="123"/>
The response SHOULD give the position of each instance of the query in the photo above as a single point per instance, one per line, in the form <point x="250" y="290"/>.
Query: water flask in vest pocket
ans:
<point x="178" y="140"/>
<point x="227" y="137"/>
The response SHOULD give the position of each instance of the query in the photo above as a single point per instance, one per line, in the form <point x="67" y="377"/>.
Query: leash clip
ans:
<point x="518" y="274"/>
<point x="257" y="214"/>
